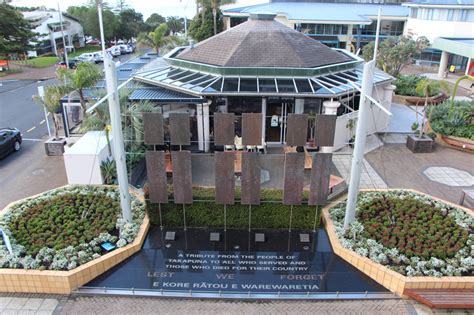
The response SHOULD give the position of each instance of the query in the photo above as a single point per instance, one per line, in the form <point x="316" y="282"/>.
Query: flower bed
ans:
<point x="409" y="233"/>
<point x="64" y="228"/>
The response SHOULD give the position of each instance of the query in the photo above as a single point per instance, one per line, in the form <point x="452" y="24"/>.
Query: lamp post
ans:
<point x="62" y="34"/>
<point x="115" y="120"/>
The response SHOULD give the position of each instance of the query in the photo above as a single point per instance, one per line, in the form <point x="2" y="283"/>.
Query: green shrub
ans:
<point x="406" y="85"/>
<point x="457" y="121"/>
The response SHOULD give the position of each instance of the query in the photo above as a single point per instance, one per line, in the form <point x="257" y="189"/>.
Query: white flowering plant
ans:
<point x="410" y="233"/>
<point x="65" y="227"/>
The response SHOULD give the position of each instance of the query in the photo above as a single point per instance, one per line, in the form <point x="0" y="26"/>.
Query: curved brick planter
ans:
<point x="390" y="279"/>
<point x="64" y="282"/>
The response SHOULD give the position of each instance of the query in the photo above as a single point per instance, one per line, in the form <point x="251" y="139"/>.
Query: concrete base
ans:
<point x="419" y="145"/>
<point x="54" y="147"/>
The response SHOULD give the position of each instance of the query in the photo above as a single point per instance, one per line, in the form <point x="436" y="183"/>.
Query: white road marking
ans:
<point x="27" y="139"/>
<point x="42" y="122"/>
<point x="31" y="129"/>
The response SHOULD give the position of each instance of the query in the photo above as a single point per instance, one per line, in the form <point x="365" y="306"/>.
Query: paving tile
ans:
<point x="48" y="305"/>
<point x="26" y="312"/>
<point x="32" y="304"/>
<point x="9" y="312"/>
<point x="43" y="312"/>
<point x="4" y="302"/>
<point x="16" y="303"/>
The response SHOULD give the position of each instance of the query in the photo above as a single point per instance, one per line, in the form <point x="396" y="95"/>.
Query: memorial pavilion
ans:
<point x="261" y="66"/>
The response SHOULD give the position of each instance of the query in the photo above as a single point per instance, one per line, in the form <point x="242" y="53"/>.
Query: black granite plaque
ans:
<point x="182" y="177"/>
<point x="156" y="174"/>
<point x="251" y="129"/>
<point x="294" y="178"/>
<point x="180" y="129"/>
<point x="297" y="127"/>
<point x="224" y="179"/>
<point x="224" y="128"/>
<point x="325" y="130"/>
<point x="153" y="128"/>
<point x="250" y="179"/>
<point x="319" y="179"/>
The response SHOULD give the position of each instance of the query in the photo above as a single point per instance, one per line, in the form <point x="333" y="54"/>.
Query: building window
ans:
<point x="450" y="16"/>
<point x="414" y="13"/>
<point x="466" y="15"/>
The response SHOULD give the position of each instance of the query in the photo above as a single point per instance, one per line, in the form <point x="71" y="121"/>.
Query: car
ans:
<point x="98" y="57"/>
<point x="10" y="141"/>
<point x="114" y="51"/>
<point x="72" y="63"/>
<point x="125" y="49"/>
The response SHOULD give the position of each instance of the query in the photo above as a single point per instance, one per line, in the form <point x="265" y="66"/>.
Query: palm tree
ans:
<point x="427" y="88"/>
<point x="174" y="25"/>
<point x="215" y="6"/>
<point x="84" y="76"/>
<point x="52" y="102"/>
<point x="155" y="39"/>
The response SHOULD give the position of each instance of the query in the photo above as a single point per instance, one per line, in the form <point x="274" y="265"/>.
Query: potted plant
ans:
<point x="419" y="142"/>
<point x="51" y="101"/>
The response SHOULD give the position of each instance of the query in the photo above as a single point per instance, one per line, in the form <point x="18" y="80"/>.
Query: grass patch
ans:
<point x="204" y="213"/>
<point x="83" y="50"/>
<point x="11" y="71"/>
<point x="39" y="62"/>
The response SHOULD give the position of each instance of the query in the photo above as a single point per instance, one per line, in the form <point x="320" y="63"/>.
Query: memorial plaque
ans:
<point x="224" y="179"/>
<point x="182" y="177"/>
<point x="153" y="128"/>
<point x="224" y="128"/>
<point x="250" y="179"/>
<point x="297" y="127"/>
<point x="156" y="173"/>
<point x="180" y="129"/>
<point x="319" y="179"/>
<point x="251" y="129"/>
<point x="325" y="129"/>
<point x="294" y="178"/>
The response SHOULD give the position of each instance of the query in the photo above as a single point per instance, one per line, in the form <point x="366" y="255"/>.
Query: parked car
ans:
<point x="10" y="141"/>
<point x="125" y="49"/>
<point x="72" y="63"/>
<point x="114" y="51"/>
<point x="98" y="57"/>
<point x="93" y="42"/>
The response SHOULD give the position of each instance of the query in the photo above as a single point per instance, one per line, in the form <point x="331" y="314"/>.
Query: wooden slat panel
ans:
<point x="443" y="298"/>
<point x="153" y="129"/>
<point x="319" y="179"/>
<point x="224" y="128"/>
<point x="224" y="179"/>
<point x="182" y="177"/>
<point x="294" y="178"/>
<point x="180" y="129"/>
<point x="297" y="127"/>
<point x="156" y="174"/>
<point x="251" y="129"/>
<point x="250" y="179"/>
<point x="325" y="129"/>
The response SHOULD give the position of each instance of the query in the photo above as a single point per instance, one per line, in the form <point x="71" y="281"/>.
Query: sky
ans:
<point x="146" y="7"/>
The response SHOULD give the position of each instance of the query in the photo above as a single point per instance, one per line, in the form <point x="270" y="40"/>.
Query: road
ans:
<point x="28" y="171"/>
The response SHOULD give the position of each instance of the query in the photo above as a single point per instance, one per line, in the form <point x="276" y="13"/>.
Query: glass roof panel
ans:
<point x="231" y="85"/>
<point x="286" y="85"/>
<point x="248" y="85"/>
<point x="319" y="89"/>
<point x="303" y="86"/>
<point x="214" y="87"/>
<point x="267" y="85"/>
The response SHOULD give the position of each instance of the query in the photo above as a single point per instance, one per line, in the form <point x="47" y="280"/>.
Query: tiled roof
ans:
<point x="263" y="43"/>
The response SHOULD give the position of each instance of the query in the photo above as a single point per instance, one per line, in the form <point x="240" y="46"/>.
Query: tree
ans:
<point x="200" y="29"/>
<point x="89" y="18"/>
<point x="84" y="76"/>
<point x="122" y="5"/>
<point x="131" y="23"/>
<point x="175" y="25"/>
<point x="51" y="101"/>
<point x="395" y="52"/>
<point x="155" y="39"/>
<point x="154" y="21"/>
<point x="427" y="87"/>
<point x="15" y="32"/>
<point x="215" y="6"/>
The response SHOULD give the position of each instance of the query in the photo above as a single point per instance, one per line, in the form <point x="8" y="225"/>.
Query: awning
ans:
<point x="162" y="95"/>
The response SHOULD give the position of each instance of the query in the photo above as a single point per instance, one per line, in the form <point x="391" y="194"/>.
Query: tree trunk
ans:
<point x="55" y="123"/>
<point x="82" y="100"/>
<point x="214" y="13"/>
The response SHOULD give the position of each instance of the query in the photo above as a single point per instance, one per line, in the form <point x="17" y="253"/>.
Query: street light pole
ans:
<point x="115" y="120"/>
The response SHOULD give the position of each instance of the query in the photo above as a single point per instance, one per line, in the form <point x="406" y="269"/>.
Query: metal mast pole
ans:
<point x="62" y="34"/>
<point x="114" y="109"/>
<point x="361" y="133"/>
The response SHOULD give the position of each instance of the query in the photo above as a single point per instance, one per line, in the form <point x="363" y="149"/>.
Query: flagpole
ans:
<point x="115" y="120"/>
<point x="361" y="133"/>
